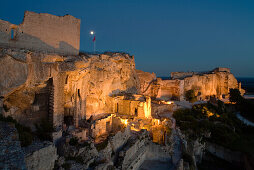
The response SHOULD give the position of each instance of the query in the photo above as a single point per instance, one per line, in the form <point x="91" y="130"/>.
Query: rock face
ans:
<point x="11" y="154"/>
<point x="40" y="156"/>
<point x="145" y="79"/>
<point x="42" y="32"/>
<point x="216" y="83"/>
<point x="53" y="86"/>
<point x="92" y="80"/>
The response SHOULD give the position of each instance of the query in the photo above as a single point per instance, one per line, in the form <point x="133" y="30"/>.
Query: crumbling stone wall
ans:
<point x="42" y="32"/>
<point x="102" y="126"/>
<point x="168" y="89"/>
<point x="132" y="105"/>
<point x="181" y="75"/>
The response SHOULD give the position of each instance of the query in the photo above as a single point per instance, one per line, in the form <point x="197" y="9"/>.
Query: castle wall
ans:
<point x="181" y="75"/>
<point x="43" y="32"/>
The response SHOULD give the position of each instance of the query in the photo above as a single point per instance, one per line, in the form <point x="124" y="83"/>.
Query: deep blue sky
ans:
<point x="163" y="35"/>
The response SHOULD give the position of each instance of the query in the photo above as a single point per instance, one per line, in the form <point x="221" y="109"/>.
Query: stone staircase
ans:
<point x="50" y="102"/>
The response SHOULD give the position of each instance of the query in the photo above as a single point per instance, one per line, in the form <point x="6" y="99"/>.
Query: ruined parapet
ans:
<point x="132" y="105"/>
<point x="181" y="75"/>
<point x="42" y="32"/>
<point x="221" y="69"/>
<point x="169" y="89"/>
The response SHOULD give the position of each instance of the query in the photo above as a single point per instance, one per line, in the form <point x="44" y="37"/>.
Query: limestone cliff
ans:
<point x="36" y="85"/>
<point x="215" y="83"/>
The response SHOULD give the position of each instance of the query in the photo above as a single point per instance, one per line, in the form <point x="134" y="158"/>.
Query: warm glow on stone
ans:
<point x="147" y="107"/>
<point x="209" y="114"/>
<point x="124" y="121"/>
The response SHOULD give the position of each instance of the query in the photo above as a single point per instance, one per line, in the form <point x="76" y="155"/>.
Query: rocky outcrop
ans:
<point x="40" y="156"/>
<point x="215" y="83"/>
<point x="11" y="154"/>
<point x="53" y="86"/>
<point x="95" y="79"/>
<point x="120" y="139"/>
<point x="146" y="79"/>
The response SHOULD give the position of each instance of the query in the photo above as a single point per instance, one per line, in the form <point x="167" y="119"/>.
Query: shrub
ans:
<point x="235" y="96"/>
<point x="190" y="96"/>
<point x="102" y="145"/>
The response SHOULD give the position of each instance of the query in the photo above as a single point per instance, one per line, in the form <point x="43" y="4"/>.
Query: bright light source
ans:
<point x="92" y="33"/>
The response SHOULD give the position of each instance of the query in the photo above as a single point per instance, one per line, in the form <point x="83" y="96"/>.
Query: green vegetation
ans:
<point x="235" y="95"/>
<point x="244" y="106"/>
<point x="44" y="130"/>
<point x="102" y="145"/>
<point x="190" y="96"/>
<point x="224" y="127"/>
<point x="25" y="134"/>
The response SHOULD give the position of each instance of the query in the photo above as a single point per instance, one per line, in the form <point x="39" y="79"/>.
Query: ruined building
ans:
<point x="215" y="83"/>
<point x="42" y="32"/>
<point x="93" y="97"/>
<point x="47" y="79"/>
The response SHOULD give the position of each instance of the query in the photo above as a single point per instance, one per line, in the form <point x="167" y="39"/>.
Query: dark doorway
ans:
<point x="68" y="120"/>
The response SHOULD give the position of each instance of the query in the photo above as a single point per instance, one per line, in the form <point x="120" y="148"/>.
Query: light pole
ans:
<point x="93" y="34"/>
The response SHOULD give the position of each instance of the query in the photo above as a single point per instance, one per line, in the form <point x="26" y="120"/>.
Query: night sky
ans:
<point x="164" y="36"/>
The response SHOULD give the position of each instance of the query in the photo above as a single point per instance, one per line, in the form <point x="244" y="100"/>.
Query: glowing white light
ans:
<point x="92" y="32"/>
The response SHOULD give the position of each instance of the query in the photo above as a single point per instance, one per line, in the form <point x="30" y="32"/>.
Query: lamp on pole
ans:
<point x="93" y="34"/>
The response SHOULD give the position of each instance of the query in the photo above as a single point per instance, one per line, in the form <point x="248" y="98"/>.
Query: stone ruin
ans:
<point x="215" y="83"/>
<point x="42" y="32"/>
<point x="92" y="97"/>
